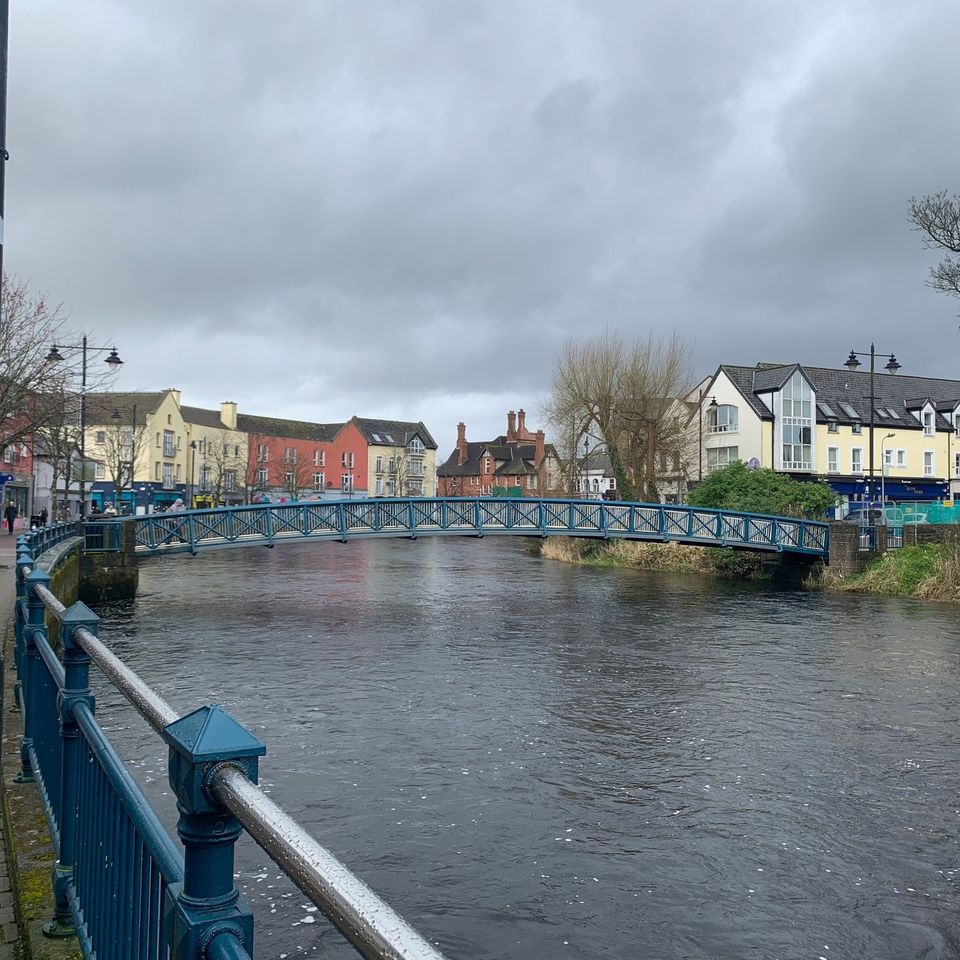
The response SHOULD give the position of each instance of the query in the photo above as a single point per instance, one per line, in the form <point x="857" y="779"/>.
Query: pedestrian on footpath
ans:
<point x="10" y="514"/>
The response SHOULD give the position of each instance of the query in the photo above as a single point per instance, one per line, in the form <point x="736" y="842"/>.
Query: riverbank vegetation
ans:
<point x="666" y="557"/>
<point x="930" y="571"/>
<point x="737" y="487"/>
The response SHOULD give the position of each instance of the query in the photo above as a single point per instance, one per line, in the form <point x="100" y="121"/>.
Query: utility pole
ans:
<point x="4" y="36"/>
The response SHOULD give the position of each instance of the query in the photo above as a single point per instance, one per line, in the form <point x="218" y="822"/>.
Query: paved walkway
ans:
<point x="9" y="940"/>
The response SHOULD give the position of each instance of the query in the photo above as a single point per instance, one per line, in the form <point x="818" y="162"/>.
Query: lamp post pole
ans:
<point x="193" y="464"/>
<point x="586" y="469"/>
<point x="892" y="367"/>
<point x="113" y="361"/>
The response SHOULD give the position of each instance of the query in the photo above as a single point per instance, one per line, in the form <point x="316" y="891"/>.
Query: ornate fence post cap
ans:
<point x="201" y="741"/>
<point x="39" y="576"/>
<point x="78" y="615"/>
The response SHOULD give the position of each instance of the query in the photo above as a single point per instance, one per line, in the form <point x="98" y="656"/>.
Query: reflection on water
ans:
<point x="529" y="759"/>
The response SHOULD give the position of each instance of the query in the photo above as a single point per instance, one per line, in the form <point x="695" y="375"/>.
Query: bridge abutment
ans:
<point x="111" y="572"/>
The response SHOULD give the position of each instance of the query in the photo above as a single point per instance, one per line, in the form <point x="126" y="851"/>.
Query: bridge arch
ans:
<point x="269" y="524"/>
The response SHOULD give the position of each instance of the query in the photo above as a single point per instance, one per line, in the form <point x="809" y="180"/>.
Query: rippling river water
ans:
<point x="534" y="760"/>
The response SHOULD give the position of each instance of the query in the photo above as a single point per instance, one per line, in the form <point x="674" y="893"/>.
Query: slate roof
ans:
<point x="393" y="432"/>
<point x="517" y="459"/>
<point x="852" y="388"/>
<point x="293" y="429"/>
<point x="201" y="417"/>
<point x="100" y="407"/>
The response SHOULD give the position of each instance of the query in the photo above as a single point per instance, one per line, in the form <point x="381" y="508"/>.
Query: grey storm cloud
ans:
<point x="326" y="208"/>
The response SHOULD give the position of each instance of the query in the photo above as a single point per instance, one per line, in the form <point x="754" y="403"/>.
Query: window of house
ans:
<point x="318" y="481"/>
<point x="833" y="459"/>
<point x="486" y="465"/>
<point x="415" y="445"/>
<point x="956" y="464"/>
<point x="722" y="419"/>
<point x="261" y="477"/>
<point x="613" y="483"/>
<point x="379" y="465"/>
<point x="158" y="439"/>
<point x="832" y="426"/>
<point x="718" y="457"/>
<point x="169" y="444"/>
<point x="928" y="463"/>
<point x="901" y="458"/>
<point x="204" y="478"/>
<point x="888" y="458"/>
<point x="156" y="471"/>
<point x="99" y="471"/>
<point x="379" y="490"/>
<point x="533" y="482"/>
<point x="346" y="482"/>
<point x="101" y="436"/>
<point x="928" y="423"/>
<point x="856" y="460"/>
<point x="263" y="453"/>
<point x="856" y="427"/>
<point x="289" y="455"/>
<point x="169" y="418"/>
<point x="316" y="458"/>
<point x="230" y="480"/>
<point x="178" y="471"/>
<point x="167" y="475"/>
<point x="290" y="480"/>
<point x="797" y="424"/>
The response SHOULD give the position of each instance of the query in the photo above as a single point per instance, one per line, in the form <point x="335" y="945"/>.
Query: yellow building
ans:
<point x="217" y="456"/>
<point x="816" y="422"/>
<point x="401" y="458"/>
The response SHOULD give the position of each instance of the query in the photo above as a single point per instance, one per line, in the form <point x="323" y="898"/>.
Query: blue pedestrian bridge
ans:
<point x="269" y="524"/>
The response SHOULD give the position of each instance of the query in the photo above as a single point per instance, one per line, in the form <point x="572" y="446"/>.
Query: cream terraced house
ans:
<point x="401" y="458"/>
<point x="815" y="422"/>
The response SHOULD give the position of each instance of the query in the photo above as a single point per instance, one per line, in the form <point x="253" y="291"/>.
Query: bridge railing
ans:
<point x="345" y="519"/>
<point x="121" y="884"/>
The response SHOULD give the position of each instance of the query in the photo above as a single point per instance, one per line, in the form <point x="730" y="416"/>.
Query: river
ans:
<point x="534" y="760"/>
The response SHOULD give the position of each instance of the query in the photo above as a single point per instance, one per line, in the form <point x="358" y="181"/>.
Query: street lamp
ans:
<point x="586" y="469"/>
<point x="193" y="463"/>
<point x="892" y="366"/>
<point x="113" y="361"/>
<point x="713" y="406"/>
<point x="883" y="475"/>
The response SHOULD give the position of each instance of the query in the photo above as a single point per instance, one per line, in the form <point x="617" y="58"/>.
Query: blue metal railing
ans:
<point x="122" y="886"/>
<point x="195" y="530"/>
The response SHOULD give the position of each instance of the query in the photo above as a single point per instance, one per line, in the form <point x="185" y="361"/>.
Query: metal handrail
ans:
<point x="366" y="921"/>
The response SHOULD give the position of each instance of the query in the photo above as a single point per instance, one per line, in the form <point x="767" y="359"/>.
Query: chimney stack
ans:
<point x="461" y="444"/>
<point x="522" y="425"/>
<point x="228" y="414"/>
<point x="511" y="426"/>
<point x="538" y="457"/>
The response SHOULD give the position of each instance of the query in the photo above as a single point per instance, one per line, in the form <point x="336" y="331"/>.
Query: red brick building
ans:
<point x="517" y="459"/>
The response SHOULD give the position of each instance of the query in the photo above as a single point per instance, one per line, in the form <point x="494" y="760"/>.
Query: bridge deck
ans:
<point x="218" y="529"/>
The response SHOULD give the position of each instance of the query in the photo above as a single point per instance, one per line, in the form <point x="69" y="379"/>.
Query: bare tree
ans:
<point x="625" y="396"/>
<point x="938" y="217"/>
<point x="222" y="464"/>
<point x="32" y="391"/>
<point x="122" y="446"/>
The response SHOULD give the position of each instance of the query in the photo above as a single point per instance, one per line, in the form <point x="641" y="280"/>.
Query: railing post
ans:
<point x="36" y="623"/>
<point x="24" y="563"/>
<point x="76" y="690"/>
<point x="206" y="904"/>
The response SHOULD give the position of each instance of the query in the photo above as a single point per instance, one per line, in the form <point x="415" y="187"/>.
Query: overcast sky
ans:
<point x="404" y="208"/>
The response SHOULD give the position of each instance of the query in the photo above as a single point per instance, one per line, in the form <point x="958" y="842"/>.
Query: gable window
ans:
<point x="486" y="465"/>
<point x="797" y="426"/>
<point x="722" y="419"/>
<point x="928" y="423"/>
<point x="856" y="460"/>
<point x="833" y="459"/>
<point x="415" y="445"/>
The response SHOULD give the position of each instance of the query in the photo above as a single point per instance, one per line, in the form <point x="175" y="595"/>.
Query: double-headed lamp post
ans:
<point x="892" y="366"/>
<point x="114" y="362"/>
<point x="193" y="464"/>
